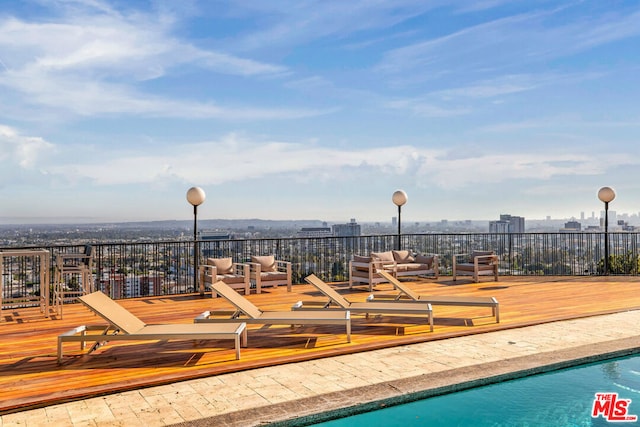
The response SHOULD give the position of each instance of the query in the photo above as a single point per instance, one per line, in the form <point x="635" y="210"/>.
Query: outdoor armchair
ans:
<point x="234" y="274"/>
<point x="479" y="263"/>
<point x="364" y="270"/>
<point x="268" y="271"/>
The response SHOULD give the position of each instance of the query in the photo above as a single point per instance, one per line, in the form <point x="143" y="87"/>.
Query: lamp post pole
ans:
<point x="399" y="198"/>
<point x="195" y="196"/>
<point x="606" y="195"/>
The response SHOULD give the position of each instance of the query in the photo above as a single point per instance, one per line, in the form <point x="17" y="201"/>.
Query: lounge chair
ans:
<point x="124" y="325"/>
<point x="337" y="301"/>
<point x="406" y="294"/>
<point x="247" y="312"/>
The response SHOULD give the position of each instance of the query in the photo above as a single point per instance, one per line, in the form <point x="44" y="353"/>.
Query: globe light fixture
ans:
<point x="399" y="198"/>
<point x="195" y="196"/>
<point x="606" y="195"/>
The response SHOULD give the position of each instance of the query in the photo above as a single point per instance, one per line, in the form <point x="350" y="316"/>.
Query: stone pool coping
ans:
<point x="490" y="358"/>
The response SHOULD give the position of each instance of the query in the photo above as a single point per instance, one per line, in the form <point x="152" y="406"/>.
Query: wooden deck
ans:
<point x="30" y="376"/>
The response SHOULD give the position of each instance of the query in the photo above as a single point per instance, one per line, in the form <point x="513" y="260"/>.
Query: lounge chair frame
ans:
<point x="125" y="326"/>
<point x="247" y="312"/>
<point x="406" y="294"/>
<point x="338" y="302"/>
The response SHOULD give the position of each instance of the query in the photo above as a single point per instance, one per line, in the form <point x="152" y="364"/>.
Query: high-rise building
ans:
<point x="507" y="224"/>
<point x="346" y="230"/>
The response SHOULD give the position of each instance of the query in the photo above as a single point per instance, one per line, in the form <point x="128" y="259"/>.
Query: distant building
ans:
<point x="498" y="227"/>
<point x="214" y="235"/>
<point x="507" y="224"/>
<point x="350" y="229"/>
<point x="613" y="218"/>
<point x="624" y="226"/>
<point x="571" y="227"/>
<point x="314" y="232"/>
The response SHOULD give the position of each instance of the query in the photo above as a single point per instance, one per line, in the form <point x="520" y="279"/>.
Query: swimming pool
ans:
<point x="560" y="398"/>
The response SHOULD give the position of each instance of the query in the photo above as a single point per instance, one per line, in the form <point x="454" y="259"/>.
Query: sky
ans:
<point x="110" y="110"/>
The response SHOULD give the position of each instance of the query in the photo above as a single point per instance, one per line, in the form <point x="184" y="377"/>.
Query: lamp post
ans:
<point x="195" y="196"/>
<point x="606" y="195"/>
<point x="399" y="198"/>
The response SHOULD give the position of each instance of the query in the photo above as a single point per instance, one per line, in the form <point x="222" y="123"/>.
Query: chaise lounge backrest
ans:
<point x="328" y="291"/>
<point x="236" y="299"/>
<point x="112" y="312"/>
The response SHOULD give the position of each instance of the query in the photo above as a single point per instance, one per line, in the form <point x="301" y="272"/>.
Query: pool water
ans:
<point x="560" y="398"/>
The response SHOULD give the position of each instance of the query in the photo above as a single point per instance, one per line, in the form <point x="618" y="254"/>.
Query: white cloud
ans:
<point x="87" y="64"/>
<point x="21" y="150"/>
<point x="235" y="159"/>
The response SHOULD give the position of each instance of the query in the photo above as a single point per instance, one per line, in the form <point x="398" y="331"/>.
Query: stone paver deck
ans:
<point x="279" y="393"/>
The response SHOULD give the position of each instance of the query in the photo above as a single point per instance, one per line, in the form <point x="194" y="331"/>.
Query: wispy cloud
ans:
<point x="238" y="159"/>
<point x="421" y="107"/>
<point x="287" y="23"/>
<point x="511" y="41"/>
<point x="91" y="60"/>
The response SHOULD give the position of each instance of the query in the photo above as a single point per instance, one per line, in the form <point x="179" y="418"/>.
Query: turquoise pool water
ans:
<point x="560" y="398"/>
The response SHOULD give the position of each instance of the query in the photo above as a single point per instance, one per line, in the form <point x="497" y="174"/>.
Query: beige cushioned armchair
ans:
<point x="478" y="263"/>
<point x="267" y="271"/>
<point x="234" y="274"/>
<point x="364" y="270"/>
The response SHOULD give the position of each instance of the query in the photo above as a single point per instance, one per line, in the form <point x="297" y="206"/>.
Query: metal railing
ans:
<point x="125" y="270"/>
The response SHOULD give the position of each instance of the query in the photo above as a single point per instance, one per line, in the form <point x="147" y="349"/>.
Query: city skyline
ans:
<point x="317" y="110"/>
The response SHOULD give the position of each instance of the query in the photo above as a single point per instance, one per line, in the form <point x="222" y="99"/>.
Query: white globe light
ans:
<point x="196" y="196"/>
<point x="399" y="198"/>
<point x="606" y="194"/>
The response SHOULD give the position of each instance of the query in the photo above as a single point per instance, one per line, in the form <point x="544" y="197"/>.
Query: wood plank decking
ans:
<point x="31" y="377"/>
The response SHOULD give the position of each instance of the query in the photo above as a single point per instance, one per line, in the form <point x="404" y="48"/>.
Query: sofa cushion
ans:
<point x="222" y="265"/>
<point x="231" y="278"/>
<point x="470" y="267"/>
<point x="267" y="262"/>
<point x="402" y="257"/>
<point x="360" y="258"/>
<point x="383" y="256"/>
<point x="271" y="276"/>
<point x="423" y="259"/>
<point x="413" y="266"/>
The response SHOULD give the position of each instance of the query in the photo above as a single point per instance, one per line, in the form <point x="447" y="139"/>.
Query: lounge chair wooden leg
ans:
<point x="59" y="350"/>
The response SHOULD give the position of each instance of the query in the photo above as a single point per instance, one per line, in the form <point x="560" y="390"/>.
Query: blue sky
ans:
<point x="112" y="110"/>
